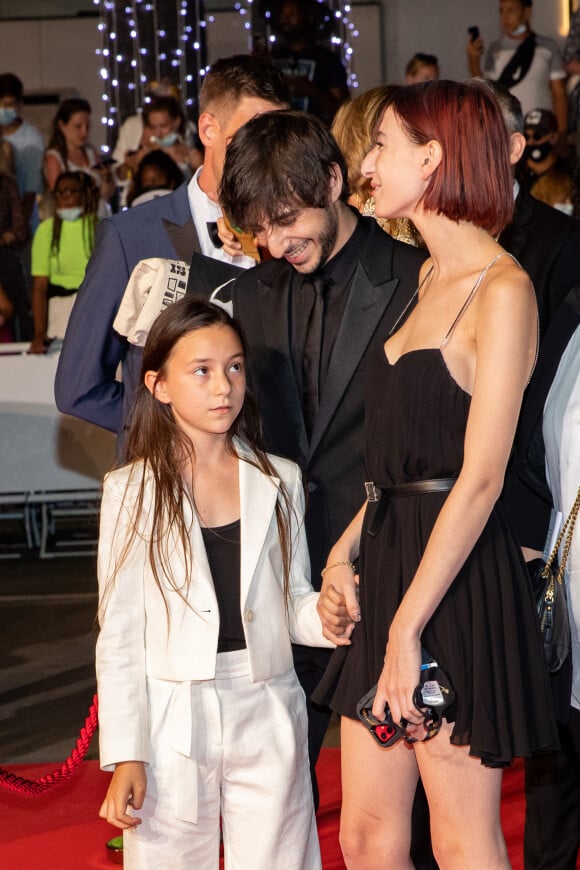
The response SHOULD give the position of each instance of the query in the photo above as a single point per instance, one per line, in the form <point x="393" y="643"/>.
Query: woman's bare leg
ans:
<point x="378" y="789"/>
<point x="464" y="804"/>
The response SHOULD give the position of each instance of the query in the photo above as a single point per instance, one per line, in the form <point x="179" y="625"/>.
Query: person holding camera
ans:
<point x="528" y="64"/>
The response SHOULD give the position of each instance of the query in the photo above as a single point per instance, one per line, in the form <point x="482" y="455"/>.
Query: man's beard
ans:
<point x="327" y="237"/>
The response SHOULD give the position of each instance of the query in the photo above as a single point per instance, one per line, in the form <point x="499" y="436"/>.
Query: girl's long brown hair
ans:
<point x="158" y="447"/>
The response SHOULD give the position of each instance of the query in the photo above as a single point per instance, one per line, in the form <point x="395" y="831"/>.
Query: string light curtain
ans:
<point x="144" y="41"/>
<point x="336" y="25"/>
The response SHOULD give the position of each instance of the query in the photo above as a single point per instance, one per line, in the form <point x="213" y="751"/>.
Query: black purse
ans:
<point x="550" y="595"/>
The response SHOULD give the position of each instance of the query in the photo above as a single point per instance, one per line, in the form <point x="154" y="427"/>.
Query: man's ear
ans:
<point x="207" y="128"/>
<point x="156" y="387"/>
<point x="336" y="180"/>
<point x="517" y="145"/>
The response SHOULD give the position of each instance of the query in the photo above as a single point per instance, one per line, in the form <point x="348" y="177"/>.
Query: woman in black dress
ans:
<point x="439" y="568"/>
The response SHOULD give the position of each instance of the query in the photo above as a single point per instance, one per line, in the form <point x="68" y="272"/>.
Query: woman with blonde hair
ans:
<point x="352" y="128"/>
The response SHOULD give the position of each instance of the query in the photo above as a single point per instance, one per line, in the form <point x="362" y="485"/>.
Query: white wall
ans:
<point x="55" y="55"/>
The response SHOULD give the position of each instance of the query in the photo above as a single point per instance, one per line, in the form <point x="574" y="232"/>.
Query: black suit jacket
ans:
<point x="332" y="460"/>
<point x="546" y="243"/>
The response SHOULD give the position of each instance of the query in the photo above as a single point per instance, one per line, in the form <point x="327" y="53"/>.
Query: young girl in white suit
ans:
<point x="203" y="583"/>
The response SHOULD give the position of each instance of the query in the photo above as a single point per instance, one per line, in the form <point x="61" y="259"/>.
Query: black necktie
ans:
<point x="212" y="229"/>
<point x="312" y="348"/>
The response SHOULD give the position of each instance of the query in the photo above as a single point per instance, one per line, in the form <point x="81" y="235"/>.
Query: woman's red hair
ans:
<point x="474" y="180"/>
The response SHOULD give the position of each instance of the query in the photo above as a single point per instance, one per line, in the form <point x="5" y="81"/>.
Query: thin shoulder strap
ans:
<point x="472" y="293"/>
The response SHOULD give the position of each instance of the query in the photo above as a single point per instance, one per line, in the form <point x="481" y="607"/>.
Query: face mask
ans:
<point x="538" y="153"/>
<point x="167" y="141"/>
<point x="70" y="214"/>
<point x="520" y="30"/>
<point x="565" y="207"/>
<point x="8" y="114"/>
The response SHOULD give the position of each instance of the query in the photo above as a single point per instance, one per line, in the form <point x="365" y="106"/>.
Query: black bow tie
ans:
<point x="212" y="230"/>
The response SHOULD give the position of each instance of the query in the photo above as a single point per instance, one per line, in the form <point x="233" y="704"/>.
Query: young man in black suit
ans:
<point x="285" y="181"/>
<point x="336" y="286"/>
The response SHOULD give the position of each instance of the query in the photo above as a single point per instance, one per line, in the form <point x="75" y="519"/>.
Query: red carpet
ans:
<point x="61" y="830"/>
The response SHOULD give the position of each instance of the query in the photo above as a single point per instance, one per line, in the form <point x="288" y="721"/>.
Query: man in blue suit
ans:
<point x="176" y="226"/>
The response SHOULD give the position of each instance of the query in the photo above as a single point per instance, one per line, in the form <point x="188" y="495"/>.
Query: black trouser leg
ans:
<point x="310" y="664"/>
<point x="552" y="830"/>
<point x="421" y="849"/>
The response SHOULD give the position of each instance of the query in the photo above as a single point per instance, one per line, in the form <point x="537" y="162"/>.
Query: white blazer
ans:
<point x="136" y="641"/>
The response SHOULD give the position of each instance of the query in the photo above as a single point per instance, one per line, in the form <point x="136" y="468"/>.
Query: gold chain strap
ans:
<point x="569" y="528"/>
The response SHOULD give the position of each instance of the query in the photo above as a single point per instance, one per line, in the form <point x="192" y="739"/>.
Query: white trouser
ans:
<point x="242" y="754"/>
<point x="59" y="309"/>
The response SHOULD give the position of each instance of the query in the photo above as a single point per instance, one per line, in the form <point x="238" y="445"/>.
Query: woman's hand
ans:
<point x="231" y="244"/>
<point x="38" y="345"/>
<point x="178" y="152"/>
<point x="127" y="169"/>
<point x="399" y="678"/>
<point x="128" y="787"/>
<point x="107" y="184"/>
<point x="475" y="49"/>
<point x="338" y="606"/>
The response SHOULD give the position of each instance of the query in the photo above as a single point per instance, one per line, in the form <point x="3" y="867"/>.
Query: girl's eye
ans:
<point x="236" y="367"/>
<point x="202" y="370"/>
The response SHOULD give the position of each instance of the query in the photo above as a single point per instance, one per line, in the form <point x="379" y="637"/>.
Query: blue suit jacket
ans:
<point x="85" y="384"/>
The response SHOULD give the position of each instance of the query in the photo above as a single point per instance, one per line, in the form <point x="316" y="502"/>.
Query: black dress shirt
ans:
<point x="338" y="273"/>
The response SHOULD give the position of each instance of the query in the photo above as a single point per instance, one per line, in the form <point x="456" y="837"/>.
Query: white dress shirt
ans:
<point x="203" y="210"/>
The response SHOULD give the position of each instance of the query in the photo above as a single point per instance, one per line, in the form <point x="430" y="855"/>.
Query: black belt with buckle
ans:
<point x="382" y="494"/>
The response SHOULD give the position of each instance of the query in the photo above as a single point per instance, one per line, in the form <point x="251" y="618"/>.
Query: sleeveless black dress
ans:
<point x="484" y="634"/>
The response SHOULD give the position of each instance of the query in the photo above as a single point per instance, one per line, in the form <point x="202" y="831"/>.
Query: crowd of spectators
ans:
<point x="71" y="184"/>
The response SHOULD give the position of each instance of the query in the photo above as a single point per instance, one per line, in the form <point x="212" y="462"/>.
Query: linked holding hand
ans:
<point x="338" y="606"/>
